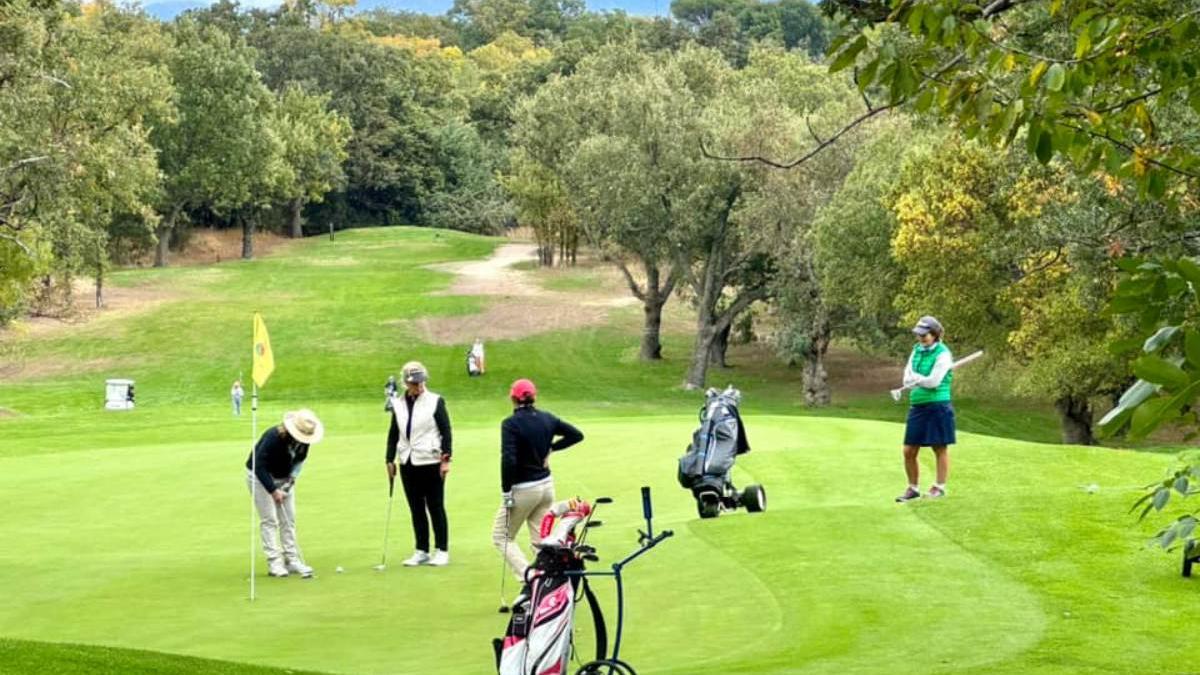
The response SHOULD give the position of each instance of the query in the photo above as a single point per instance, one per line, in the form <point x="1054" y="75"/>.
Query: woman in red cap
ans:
<point x="527" y="438"/>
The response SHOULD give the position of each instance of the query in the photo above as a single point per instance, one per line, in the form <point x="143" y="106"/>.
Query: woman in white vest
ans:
<point x="419" y="442"/>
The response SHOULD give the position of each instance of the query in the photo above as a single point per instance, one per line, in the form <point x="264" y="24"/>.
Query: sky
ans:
<point x="166" y="9"/>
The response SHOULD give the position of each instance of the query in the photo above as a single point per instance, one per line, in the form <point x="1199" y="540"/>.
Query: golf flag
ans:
<point x="264" y="361"/>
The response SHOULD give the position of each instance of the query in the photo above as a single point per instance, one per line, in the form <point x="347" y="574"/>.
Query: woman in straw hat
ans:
<point x="419" y="442"/>
<point x="277" y="460"/>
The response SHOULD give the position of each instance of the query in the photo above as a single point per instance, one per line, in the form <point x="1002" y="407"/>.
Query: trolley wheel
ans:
<point x="754" y="498"/>
<point x="606" y="667"/>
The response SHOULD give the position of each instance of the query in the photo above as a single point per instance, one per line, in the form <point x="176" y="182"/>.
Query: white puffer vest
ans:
<point x="424" y="445"/>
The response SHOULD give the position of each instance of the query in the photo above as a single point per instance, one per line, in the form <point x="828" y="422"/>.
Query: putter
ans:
<point x="387" y="524"/>
<point x="897" y="393"/>
<point x="504" y="608"/>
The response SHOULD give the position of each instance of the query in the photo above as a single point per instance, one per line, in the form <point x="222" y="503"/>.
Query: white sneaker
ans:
<point x="418" y="558"/>
<point x="298" y="567"/>
<point x="275" y="568"/>
<point x="440" y="558"/>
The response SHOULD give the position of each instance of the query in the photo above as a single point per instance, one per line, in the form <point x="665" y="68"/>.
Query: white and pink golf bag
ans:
<point x="539" y="636"/>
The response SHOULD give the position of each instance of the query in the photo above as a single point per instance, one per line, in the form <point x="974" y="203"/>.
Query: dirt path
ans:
<point x="494" y="275"/>
<point x="518" y="305"/>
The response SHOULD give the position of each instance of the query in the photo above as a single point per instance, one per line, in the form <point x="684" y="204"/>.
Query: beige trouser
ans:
<point x="275" y="521"/>
<point x="529" y="506"/>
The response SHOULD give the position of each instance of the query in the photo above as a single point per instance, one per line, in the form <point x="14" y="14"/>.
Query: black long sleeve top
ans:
<point x="275" y="457"/>
<point x="526" y="439"/>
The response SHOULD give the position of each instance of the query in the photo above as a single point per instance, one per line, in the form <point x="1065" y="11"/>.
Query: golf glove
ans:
<point x="507" y="500"/>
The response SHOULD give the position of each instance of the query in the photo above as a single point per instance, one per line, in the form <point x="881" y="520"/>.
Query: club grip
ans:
<point x="647" y="509"/>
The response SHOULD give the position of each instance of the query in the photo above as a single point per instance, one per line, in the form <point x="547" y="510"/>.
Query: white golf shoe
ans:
<point x="275" y="568"/>
<point x="418" y="558"/>
<point x="439" y="558"/>
<point x="298" y="567"/>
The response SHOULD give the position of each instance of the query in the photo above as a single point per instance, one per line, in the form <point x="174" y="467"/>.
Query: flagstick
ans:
<point x="253" y="478"/>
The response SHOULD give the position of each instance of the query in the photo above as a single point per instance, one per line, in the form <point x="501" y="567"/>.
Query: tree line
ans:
<point x="798" y="174"/>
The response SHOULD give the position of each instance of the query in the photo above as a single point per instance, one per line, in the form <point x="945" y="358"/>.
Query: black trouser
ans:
<point x="425" y="490"/>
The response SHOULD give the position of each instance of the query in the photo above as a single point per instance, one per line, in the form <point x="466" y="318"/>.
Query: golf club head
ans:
<point x="504" y="609"/>
<point x="593" y="524"/>
<point x="380" y="568"/>
<point x="603" y="500"/>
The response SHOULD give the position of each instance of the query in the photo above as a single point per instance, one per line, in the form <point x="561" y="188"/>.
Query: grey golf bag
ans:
<point x="706" y="466"/>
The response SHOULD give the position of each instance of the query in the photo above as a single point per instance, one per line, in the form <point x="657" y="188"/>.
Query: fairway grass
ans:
<point x="132" y="530"/>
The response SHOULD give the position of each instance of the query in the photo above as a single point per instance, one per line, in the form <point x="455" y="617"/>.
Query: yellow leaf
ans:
<point x="1140" y="165"/>
<point x="1036" y="74"/>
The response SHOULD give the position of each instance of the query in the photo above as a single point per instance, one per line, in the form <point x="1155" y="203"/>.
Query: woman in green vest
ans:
<point x="930" y="416"/>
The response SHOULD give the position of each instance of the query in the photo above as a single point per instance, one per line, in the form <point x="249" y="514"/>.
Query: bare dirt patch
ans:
<point x="506" y="320"/>
<point x="119" y="302"/>
<point x="494" y="275"/>
<point x="205" y="247"/>
<point x="852" y="372"/>
<point x="6" y="413"/>
<point x="522" y="307"/>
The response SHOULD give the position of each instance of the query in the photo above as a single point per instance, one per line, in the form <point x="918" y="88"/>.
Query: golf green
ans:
<point x="133" y="530"/>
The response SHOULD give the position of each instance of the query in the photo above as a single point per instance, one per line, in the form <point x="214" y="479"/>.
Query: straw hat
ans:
<point x="304" y="426"/>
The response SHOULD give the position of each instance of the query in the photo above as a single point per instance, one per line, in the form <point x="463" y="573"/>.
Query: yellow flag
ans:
<point x="264" y="361"/>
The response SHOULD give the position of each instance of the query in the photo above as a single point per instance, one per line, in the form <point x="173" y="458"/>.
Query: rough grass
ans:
<point x="131" y="530"/>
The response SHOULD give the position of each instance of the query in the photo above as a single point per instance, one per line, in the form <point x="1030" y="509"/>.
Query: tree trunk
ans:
<point x="816" y="381"/>
<point x="99" y="289"/>
<point x="708" y="287"/>
<point x="164" y="230"/>
<point x="247" y="237"/>
<point x="160" y="251"/>
<point x="720" y="344"/>
<point x="698" y="372"/>
<point x="651" y="331"/>
<point x="297" y="218"/>
<point x="1075" y="418"/>
<point x="653" y="297"/>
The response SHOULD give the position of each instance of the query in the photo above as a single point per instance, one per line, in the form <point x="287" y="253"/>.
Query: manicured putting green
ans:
<point x="1020" y="569"/>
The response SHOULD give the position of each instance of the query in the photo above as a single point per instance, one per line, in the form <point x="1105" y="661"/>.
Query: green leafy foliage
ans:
<point x="1161" y="296"/>
<point x="77" y="93"/>
<point x="1095" y="82"/>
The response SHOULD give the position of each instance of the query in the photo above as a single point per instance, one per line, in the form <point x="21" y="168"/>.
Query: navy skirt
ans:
<point x="930" y="424"/>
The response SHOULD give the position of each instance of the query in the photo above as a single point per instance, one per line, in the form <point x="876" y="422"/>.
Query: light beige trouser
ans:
<point x="529" y="506"/>
<point x="275" y="521"/>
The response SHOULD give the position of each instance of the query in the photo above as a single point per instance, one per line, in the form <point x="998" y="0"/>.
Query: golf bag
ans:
<point x="706" y="465"/>
<point x="475" y="360"/>
<point x="539" y="638"/>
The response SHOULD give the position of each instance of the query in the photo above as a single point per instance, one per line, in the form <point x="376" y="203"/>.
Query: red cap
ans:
<point x="523" y="390"/>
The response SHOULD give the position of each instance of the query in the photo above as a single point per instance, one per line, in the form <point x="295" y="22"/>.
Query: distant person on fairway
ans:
<point x="389" y="392"/>
<point x="527" y="437"/>
<point x="237" y="393"/>
<point x="930" y="415"/>
<point x="419" y="441"/>
<point x="278" y="458"/>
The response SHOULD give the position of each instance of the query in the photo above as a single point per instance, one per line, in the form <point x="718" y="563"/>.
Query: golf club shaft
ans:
<point x="504" y="559"/>
<point x="387" y="526"/>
